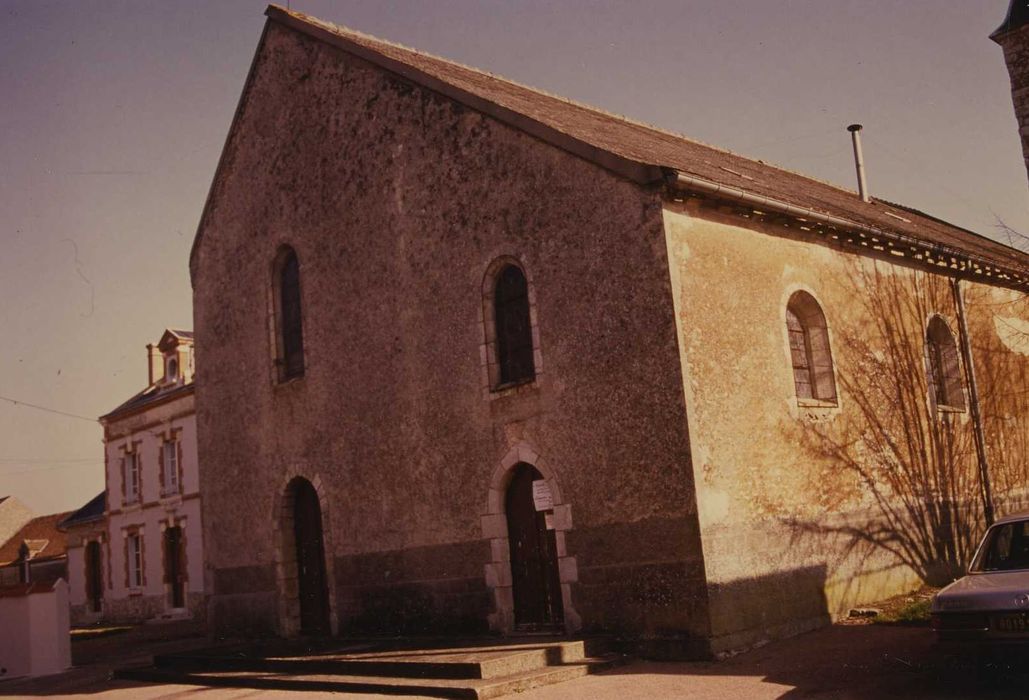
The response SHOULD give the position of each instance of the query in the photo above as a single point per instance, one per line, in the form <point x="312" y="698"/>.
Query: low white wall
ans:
<point x="35" y="623"/>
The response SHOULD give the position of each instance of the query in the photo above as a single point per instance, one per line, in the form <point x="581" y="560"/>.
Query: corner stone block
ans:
<point x="568" y="569"/>
<point x="563" y="517"/>
<point x="500" y="549"/>
<point x="490" y="571"/>
<point x="562" y="546"/>
<point x="527" y="454"/>
<point x="494" y="526"/>
<point x="495" y="502"/>
<point x="510" y="459"/>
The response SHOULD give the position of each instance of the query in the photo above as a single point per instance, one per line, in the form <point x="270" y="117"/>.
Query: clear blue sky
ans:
<point x="112" y="116"/>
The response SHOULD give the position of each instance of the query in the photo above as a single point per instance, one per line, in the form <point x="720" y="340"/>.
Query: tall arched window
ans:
<point x="809" y="349"/>
<point x="943" y="365"/>
<point x="513" y="326"/>
<point x="290" y="336"/>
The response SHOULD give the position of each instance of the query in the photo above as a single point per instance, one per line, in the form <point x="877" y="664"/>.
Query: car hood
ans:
<point x="996" y="590"/>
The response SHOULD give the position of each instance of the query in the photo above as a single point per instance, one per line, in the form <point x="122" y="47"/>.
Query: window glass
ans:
<point x="1006" y="549"/>
<point x="513" y="326"/>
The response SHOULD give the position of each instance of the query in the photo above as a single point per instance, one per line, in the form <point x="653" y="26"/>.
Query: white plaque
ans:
<point x="541" y="496"/>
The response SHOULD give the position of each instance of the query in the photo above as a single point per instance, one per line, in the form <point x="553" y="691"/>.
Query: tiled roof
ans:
<point x="152" y="394"/>
<point x="600" y="134"/>
<point x="92" y="511"/>
<point x="44" y="539"/>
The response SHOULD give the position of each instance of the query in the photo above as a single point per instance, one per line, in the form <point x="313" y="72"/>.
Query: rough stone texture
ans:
<point x="783" y="517"/>
<point x="397" y="201"/>
<point x="1016" y="54"/>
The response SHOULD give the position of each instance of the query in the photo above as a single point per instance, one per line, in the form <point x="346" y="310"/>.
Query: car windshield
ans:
<point x="1006" y="548"/>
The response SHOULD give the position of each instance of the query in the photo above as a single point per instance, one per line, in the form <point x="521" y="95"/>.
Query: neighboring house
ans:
<point x="474" y="357"/>
<point x="87" y="537"/>
<point x="36" y="552"/>
<point x="13" y="515"/>
<point x="153" y="553"/>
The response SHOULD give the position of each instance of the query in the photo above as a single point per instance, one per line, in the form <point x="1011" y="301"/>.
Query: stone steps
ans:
<point x="475" y="671"/>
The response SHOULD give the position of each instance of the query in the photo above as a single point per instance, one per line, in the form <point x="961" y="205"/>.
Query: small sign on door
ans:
<point x="542" y="499"/>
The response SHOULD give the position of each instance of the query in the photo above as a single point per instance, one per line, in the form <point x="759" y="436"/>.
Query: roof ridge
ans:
<point x="344" y="31"/>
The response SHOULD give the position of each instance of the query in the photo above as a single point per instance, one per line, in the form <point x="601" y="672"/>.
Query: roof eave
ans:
<point x="959" y="263"/>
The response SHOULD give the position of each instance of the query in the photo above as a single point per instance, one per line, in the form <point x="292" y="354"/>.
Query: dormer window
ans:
<point x="171" y="372"/>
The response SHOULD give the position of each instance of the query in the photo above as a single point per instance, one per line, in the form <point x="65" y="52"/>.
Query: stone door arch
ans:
<point x="495" y="529"/>
<point x="305" y="580"/>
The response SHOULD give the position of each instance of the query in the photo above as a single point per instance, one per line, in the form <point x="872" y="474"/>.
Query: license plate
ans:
<point x="1011" y="623"/>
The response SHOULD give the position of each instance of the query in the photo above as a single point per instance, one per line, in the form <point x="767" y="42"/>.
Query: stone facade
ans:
<point x="697" y="505"/>
<point x="396" y="381"/>
<point x="1013" y="37"/>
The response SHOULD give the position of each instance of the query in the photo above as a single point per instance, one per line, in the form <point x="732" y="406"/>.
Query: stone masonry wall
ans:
<point x="397" y="201"/>
<point x="1016" y="55"/>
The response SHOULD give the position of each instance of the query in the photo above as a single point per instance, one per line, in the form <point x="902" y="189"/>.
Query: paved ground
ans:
<point x="843" y="661"/>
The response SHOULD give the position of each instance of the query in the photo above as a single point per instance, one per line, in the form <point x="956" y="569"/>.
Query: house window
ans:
<point x="172" y="371"/>
<point x="513" y="326"/>
<point x="134" y="559"/>
<point x="809" y="349"/>
<point x="131" y="474"/>
<point x="944" y="369"/>
<point x="289" y="337"/>
<point x="170" y="467"/>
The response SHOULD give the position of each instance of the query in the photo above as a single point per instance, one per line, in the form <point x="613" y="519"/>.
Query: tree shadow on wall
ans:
<point x="915" y="490"/>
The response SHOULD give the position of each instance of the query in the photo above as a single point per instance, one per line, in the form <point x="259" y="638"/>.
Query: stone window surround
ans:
<point x="131" y="447"/>
<point x="276" y="351"/>
<point x="492" y="389"/>
<point x="137" y="531"/>
<point x="494" y="528"/>
<point x="171" y="435"/>
<point x="812" y="408"/>
<point x="285" y="553"/>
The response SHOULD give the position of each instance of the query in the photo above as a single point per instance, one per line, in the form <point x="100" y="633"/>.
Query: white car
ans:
<point x="991" y="603"/>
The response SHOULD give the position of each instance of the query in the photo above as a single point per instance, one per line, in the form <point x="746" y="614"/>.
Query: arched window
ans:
<point x="513" y="326"/>
<point x="943" y="365"/>
<point x="809" y="349"/>
<point x="290" y="336"/>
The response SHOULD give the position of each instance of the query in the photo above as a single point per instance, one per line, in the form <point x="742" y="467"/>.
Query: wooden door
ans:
<point x="94" y="580"/>
<point x="311" y="579"/>
<point x="534" y="574"/>
<point x="174" y="574"/>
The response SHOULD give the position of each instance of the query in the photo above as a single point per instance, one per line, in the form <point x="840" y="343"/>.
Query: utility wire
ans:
<point x="36" y="470"/>
<point x="48" y="410"/>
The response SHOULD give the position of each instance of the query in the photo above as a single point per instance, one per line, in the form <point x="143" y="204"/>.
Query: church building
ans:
<point x="473" y="358"/>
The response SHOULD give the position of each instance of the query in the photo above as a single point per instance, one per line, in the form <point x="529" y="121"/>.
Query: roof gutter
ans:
<point x="764" y="203"/>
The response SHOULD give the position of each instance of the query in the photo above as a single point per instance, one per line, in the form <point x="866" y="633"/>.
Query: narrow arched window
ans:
<point x="809" y="349"/>
<point x="290" y="334"/>
<point x="513" y="326"/>
<point x="943" y="366"/>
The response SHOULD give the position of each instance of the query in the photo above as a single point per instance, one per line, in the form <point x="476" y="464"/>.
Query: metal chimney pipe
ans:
<point x="859" y="161"/>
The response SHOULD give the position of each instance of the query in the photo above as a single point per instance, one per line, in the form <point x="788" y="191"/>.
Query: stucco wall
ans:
<point x="793" y="529"/>
<point x="396" y="202"/>
<point x="152" y="513"/>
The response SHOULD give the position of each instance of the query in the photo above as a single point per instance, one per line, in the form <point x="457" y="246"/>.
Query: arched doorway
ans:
<point x="312" y="591"/>
<point x="534" y="571"/>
